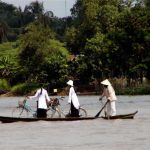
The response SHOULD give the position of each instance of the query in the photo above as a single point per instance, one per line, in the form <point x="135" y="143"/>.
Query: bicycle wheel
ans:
<point x="53" y="113"/>
<point x="82" y="112"/>
<point x="19" y="112"/>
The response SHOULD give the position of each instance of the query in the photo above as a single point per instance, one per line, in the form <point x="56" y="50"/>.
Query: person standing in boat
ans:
<point x="42" y="96"/>
<point x="73" y="101"/>
<point x="109" y="93"/>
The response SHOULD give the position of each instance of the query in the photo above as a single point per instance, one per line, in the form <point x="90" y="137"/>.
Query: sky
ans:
<point x="60" y="8"/>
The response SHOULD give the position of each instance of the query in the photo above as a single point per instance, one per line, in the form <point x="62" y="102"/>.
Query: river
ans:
<point x="96" y="134"/>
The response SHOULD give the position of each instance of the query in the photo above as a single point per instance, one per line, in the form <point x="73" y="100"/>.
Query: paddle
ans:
<point x="96" y="116"/>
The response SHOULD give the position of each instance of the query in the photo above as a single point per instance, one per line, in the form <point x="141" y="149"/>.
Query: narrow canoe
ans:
<point x="123" y="116"/>
<point x="4" y="119"/>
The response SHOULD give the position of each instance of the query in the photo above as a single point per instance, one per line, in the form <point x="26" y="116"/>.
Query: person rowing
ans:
<point x="109" y="93"/>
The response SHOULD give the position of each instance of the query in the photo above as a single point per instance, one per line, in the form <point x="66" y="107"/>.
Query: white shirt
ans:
<point x="109" y="93"/>
<point x="42" y="98"/>
<point x="73" y="97"/>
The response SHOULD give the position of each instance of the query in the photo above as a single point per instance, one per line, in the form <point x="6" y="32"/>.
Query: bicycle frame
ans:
<point x="26" y="107"/>
<point x="23" y="106"/>
<point x="53" y="107"/>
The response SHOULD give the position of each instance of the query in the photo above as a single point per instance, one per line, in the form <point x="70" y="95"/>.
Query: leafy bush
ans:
<point x="4" y="85"/>
<point x="140" y="90"/>
<point x="24" y="88"/>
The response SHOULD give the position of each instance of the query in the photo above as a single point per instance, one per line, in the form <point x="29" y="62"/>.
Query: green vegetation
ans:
<point x="4" y="85"/>
<point x="24" y="88"/>
<point x="140" y="90"/>
<point x="101" y="39"/>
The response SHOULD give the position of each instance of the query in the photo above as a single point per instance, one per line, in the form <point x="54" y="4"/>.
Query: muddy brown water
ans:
<point x="96" y="134"/>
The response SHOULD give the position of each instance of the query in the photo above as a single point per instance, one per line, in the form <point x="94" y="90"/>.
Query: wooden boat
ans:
<point x="4" y="119"/>
<point x="123" y="116"/>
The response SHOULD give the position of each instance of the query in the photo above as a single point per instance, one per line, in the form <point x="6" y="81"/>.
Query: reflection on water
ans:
<point x="80" y="135"/>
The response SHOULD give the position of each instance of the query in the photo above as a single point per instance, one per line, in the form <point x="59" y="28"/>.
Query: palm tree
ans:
<point x="37" y="9"/>
<point x="3" y="31"/>
<point x="47" y="18"/>
<point x="20" y="14"/>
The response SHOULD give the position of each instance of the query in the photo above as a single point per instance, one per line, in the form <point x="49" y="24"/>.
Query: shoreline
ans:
<point x="10" y="94"/>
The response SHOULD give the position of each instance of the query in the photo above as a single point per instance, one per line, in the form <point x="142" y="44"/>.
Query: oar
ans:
<point x="96" y="116"/>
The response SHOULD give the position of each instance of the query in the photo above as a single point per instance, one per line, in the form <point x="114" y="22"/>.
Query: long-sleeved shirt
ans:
<point x="73" y="97"/>
<point x="42" y="98"/>
<point x="109" y="93"/>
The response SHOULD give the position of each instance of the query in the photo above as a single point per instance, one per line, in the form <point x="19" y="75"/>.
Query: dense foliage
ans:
<point x="101" y="39"/>
<point x="113" y="37"/>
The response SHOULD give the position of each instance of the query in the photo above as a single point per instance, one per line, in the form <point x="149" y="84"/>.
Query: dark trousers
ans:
<point x="41" y="113"/>
<point x="74" y="111"/>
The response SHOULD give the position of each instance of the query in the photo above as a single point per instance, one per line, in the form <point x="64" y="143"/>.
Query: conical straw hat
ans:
<point x="106" y="82"/>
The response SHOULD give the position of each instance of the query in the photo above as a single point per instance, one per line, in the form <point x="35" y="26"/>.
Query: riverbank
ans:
<point x="140" y="90"/>
<point x="121" y="88"/>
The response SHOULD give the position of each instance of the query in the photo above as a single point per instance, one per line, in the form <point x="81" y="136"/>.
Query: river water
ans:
<point x="96" y="134"/>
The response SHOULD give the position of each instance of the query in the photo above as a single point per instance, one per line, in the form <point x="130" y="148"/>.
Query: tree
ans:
<point x="33" y="46"/>
<point x="42" y="58"/>
<point x="93" y="20"/>
<point x="3" y="31"/>
<point x="8" y="61"/>
<point x="36" y="8"/>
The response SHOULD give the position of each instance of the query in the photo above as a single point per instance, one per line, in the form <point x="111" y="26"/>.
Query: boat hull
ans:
<point x="16" y="119"/>
<point x="4" y="119"/>
<point x="123" y="116"/>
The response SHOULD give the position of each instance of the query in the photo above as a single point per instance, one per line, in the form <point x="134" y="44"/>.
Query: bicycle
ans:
<point x="55" y="109"/>
<point x="82" y="112"/>
<point x="24" y="109"/>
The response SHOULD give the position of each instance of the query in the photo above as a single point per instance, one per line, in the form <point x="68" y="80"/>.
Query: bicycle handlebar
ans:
<point x="61" y="98"/>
